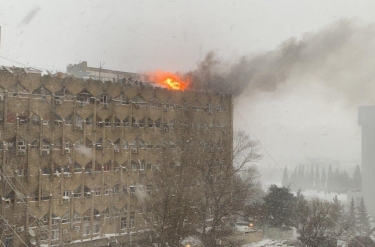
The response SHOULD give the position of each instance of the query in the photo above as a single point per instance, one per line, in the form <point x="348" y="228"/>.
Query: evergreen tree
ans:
<point x="363" y="222"/>
<point x="301" y="211"/>
<point x="357" y="178"/>
<point x="280" y="205"/>
<point x="285" y="182"/>
<point x="317" y="179"/>
<point x="293" y="178"/>
<point x="311" y="178"/>
<point x="303" y="178"/>
<point x="323" y="180"/>
<point x="352" y="217"/>
<point x="329" y="179"/>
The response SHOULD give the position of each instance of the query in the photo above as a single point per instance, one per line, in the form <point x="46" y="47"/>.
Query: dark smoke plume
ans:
<point x="341" y="56"/>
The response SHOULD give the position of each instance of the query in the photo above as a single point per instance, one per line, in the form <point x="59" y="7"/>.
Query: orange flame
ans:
<point x="168" y="80"/>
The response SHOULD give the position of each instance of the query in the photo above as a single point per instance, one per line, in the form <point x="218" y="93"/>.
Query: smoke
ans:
<point x="85" y="151"/>
<point x="341" y="56"/>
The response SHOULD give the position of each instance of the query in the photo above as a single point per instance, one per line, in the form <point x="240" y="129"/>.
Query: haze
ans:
<point x="302" y="118"/>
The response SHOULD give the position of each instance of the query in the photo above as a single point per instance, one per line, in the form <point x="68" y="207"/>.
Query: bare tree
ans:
<point x="170" y="205"/>
<point x="324" y="225"/>
<point x="212" y="180"/>
<point x="226" y="181"/>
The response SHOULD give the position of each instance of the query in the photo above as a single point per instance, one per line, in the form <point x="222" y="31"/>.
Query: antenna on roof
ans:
<point x="100" y="68"/>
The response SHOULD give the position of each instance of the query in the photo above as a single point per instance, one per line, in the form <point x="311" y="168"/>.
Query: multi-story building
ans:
<point x="75" y="153"/>
<point x="366" y="119"/>
<point x="81" y="70"/>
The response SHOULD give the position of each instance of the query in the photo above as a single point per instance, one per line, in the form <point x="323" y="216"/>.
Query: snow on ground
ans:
<point x="310" y="194"/>
<point x="265" y="243"/>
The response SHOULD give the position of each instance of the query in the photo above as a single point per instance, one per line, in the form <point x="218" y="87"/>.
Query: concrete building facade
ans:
<point x="75" y="153"/>
<point x="366" y="119"/>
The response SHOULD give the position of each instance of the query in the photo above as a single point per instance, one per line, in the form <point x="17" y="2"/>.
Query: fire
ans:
<point x="168" y="80"/>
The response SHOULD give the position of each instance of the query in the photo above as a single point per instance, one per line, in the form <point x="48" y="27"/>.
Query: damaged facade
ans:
<point x="76" y="154"/>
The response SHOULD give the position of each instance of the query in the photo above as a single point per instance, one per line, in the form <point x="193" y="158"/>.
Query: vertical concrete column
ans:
<point x="61" y="186"/>
<point x="121" y="137"/>
<point x="71" y="211"/>
<point x="50" y="159"/>
<point x="40" y="187"/>
<point x="40" y="137"/>
<point x="104" y="129"/>
<point x="113" y="159"/>
<point x="15" y="185"/>
<point x="27" y="168"/>
<point x="5" y="107"/>
<point x="50" y="221"/>
<point x="63" y="138"/>
<point x="92" y="214"/>
<point x="94" y="118"/>
<point x="17" y="134"/>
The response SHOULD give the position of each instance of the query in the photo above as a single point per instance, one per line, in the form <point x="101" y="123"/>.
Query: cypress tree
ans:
<point x="317" y="179"/>
<point x="285" y="182"/>
<point x="323" y="180"/>
<point x="363" y="221"/>
<point x="352" y="217"/>
<point x="357" y="178"/>
<point x="329" y="184"/>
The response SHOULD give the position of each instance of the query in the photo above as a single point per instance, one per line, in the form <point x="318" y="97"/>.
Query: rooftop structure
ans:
<point x="81" y="70"/>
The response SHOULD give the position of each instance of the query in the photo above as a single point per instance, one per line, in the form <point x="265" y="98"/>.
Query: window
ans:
<point x="77" y="168"/>
<point x="142" y="165"/>
<point x="134" y="166"/>
<point x="107" y="167"/>
<point x="104" y="99"/>
<point x="97" y="191"/>
<point x="132" y="190"/>
<point x="132" y="221"/>
<point x="77" y="192"/>
<point x="106" y="213"/>
<point x="45" y="218"/>
<point x="123" y="223"/>
<point x="107" y="122"/>
<point x="116" y="189"/>
<point x="66" y="196"/>
<point x="117" y="122"/>
<point x="55" y="220"/>
<point x="86" y="229"/>
<point x="106" y="191"/>
<point x="65" y="218"/>
<point x="55" y="234"/>
<point x="150" y="123"/>
<point x="125" y="123"/>
<point x="96" y="228"/>
<point x="76" y="217"/>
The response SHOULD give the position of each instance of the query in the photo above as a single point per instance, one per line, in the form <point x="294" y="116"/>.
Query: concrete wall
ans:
<point x="48" y="130"/>
<point x="366" y="119"/>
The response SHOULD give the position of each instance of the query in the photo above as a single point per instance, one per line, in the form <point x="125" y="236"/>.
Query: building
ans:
<point x="366" y="119"/>
<point x="75" y="153"/>
<point x="81" y="70"/>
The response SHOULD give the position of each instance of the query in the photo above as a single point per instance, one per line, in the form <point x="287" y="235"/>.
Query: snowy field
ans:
<point x="310" y="194"/>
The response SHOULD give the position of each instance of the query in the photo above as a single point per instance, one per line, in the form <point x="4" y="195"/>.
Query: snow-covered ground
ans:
<point x="310" y="194"/>
<point x="267" y="243"/>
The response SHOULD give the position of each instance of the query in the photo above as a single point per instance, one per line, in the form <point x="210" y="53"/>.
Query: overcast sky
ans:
<point x="308" y="120"/>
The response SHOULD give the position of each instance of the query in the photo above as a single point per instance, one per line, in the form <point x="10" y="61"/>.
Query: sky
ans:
<point x="296" y="122"/>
